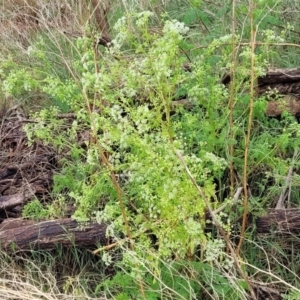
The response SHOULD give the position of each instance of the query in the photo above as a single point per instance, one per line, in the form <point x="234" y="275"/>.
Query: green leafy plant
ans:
<point x="34" y="210"/>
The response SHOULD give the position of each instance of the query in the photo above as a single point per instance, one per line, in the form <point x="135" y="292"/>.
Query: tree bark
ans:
<point x="45" y="235"/>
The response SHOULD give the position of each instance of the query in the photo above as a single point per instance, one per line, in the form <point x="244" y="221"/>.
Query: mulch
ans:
<point x="26" y="170"/>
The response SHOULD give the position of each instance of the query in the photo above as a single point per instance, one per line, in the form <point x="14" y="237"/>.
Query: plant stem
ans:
<point x="231" y="101"/>
<point x="250" y="117"/>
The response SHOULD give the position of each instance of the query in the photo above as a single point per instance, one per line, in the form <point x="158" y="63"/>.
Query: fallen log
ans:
<point x="279" y="221"/>
<point x="48" y="234"/>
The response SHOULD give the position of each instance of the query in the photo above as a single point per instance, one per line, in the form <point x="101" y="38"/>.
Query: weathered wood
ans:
<point x="279" y="220"/>
<point x="47" y="234"/>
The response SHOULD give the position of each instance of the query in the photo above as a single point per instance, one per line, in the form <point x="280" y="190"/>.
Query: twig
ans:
<point x="280" y="202"/>
<point x="235" y="200"/>
<point x="110" y="246"/>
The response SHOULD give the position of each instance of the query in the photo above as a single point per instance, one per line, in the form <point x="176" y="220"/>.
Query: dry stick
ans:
<point x="252" y="95"/>
<point x="234" y="201"/>
<point x="217" y="223"/>
<point x="280" y="203"/>
<point x="110" y="246"/>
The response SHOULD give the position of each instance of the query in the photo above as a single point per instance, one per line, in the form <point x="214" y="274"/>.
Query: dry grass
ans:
<point x="63" y="275"/>
<point x="21" y="19"/>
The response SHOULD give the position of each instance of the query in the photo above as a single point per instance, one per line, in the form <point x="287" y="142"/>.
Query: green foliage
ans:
<point x="34" y="210"/>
